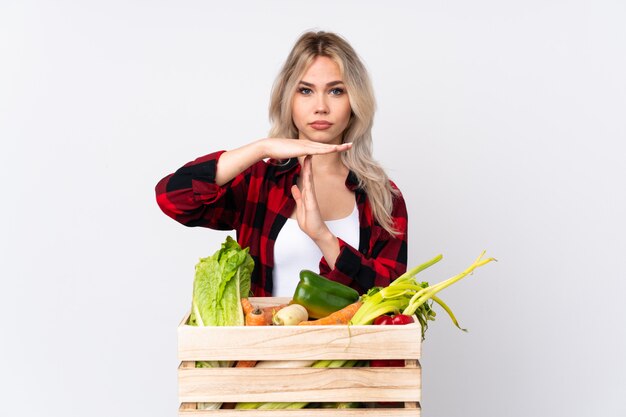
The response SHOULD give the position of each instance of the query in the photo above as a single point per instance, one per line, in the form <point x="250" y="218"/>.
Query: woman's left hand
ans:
<point x="307" y="209"/>
<point x="309" y="216"/>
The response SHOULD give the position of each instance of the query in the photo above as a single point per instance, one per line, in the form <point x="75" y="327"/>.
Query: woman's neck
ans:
<point x="328" y="164"/>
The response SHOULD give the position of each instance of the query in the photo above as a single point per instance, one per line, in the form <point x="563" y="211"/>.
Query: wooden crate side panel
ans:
<point x="355" y="412"/>
<point x="299" y="342"/>
<point x="299" y="384"/>
<point x="269" y="301"/>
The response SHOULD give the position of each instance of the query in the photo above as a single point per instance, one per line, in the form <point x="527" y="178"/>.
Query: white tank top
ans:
<point x="295" y="251"/>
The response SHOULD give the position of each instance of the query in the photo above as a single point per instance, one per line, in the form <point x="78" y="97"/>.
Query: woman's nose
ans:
<point x="321" y="105"/>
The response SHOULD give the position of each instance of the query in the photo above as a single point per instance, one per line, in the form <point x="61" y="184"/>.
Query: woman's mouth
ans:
<point x="320" y="124"/>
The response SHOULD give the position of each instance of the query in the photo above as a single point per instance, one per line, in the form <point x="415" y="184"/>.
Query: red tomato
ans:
<point x="401" y="319"/>
<point x="379" y="363"/>
<point x="384" y="363"/>
<point x="389" y="320"/>
<point x="383" y="320"/>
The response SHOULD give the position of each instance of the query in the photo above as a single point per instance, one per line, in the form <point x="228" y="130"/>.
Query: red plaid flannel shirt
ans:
<point x="257" y="203"/>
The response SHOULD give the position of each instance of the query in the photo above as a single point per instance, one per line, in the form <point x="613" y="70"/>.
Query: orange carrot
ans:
<point x="246" y="305"/>
<point x="342" y="316"/>
<point x="245" y="364"/>
<point x="252" y="318"/>
<point x="251" y="313"/>
<point x="256" y="318"/>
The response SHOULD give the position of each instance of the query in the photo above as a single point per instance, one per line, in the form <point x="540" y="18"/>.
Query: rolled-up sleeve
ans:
<point x="191" y="197"/>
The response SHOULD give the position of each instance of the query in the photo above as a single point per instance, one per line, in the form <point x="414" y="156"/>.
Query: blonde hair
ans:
<point x="371" y="176"/>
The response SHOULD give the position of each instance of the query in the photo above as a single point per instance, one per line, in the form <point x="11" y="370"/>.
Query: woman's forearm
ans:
<point x="232" y="163"/>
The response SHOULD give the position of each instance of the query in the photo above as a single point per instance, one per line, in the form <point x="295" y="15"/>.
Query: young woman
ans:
<point x="310" y="196"/>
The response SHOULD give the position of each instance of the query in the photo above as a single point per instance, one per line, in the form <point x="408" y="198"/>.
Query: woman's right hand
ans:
<point x="280" y="148"/>
<point x="233" y="162"/>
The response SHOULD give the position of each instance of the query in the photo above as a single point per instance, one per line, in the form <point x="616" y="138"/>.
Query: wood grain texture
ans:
<point x="188" y="365"/>
<point x="299" y="384"/>
<point x="280" y="343"/>
<point x="269" y="301"/>
<point x="297" y="342"/>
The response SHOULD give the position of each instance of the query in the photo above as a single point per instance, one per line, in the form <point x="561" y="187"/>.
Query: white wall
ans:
<point x="502" y="122"/>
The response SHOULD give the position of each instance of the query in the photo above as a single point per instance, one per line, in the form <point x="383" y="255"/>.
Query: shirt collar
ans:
<point x="352" y="182"/>
<point x="283" y="167"/>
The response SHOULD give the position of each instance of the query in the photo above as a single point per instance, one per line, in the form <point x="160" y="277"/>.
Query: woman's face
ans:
<point x="321" y="107"/>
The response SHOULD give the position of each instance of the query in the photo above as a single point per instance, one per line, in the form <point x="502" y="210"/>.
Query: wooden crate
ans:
<point x="364" y="384"/>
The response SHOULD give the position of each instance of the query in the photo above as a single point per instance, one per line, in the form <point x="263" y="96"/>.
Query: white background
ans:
<point x="502" y="122"/>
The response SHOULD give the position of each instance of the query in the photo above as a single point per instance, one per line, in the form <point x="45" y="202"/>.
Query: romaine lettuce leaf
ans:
<point x="220" y="282"/>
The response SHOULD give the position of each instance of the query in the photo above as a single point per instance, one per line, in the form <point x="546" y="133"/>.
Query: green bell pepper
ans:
<point x="321" y="296"/>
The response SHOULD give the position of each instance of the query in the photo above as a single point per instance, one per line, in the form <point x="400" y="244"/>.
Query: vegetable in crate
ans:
<point x="336" y="405"/>
<point x="405" y="294"/>
<point x="339" y="317"/>
<point x="321" y="296"/>
<point x="385" y="320"/>
<point x="290" y="315"/>
<point x="219" y="284"/>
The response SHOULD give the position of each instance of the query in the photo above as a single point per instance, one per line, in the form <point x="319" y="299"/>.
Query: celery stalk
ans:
<point x="411" y="297"/>
<point x="427" y="293"/>
<point x="447" y="310"/>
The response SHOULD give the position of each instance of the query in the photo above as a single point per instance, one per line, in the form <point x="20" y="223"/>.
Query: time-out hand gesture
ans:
<point x="309" y="216"/>
<point x="307" y="209"/>
<point x="233" y="162"/>
<point x="278" y="148"/>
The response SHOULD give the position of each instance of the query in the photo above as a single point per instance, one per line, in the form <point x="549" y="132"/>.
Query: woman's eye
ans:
<point x="336" y="91"/>
<point x="305" y="91"/>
